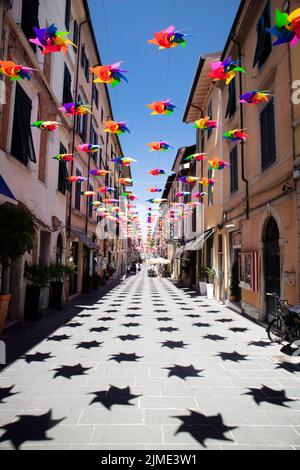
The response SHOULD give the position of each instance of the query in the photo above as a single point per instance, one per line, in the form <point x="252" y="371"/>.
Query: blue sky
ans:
<point x="122" y="29"/>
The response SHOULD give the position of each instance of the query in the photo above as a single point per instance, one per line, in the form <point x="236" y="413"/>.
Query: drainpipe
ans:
<point x="245" y="180"/>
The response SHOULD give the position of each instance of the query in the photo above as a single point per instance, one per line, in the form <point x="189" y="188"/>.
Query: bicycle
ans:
<point x="286" y="324"/>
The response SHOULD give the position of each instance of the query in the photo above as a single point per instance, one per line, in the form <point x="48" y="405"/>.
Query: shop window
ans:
<point x="248" y="271"/>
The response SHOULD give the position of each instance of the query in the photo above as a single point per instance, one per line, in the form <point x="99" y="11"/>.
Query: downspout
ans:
<point x="245" y="180"/>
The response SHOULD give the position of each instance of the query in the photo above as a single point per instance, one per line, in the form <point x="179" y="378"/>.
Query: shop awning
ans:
<point x="198" y="242"/>
<point x="179" y="251"/>
<point x="84" y="239"/>
<point x="5" y="193"/>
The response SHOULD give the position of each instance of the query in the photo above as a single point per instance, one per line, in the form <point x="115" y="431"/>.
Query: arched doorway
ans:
<point x="271" y="263"/>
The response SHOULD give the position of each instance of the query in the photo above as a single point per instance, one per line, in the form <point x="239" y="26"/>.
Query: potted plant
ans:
<point x="235" y="291"/>
<point x="39" y="277"/>
<point x="210" y="276"/>
<point x="17" y="234"/>
<point x="202" y="282"/>
<point x="58" y="273"/>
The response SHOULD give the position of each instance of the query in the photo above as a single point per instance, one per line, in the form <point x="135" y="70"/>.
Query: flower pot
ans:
<point x="55" y="295"/>
<point x="4" y="304"/>
<point x="210" y="291"/>
<point x="202" y="287"/>
<point x="32" y="303"/>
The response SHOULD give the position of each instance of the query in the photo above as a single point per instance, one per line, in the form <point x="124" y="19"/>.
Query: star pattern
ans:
<point x="173" y="344"/>
<point x="268" y="395"/>
<point x="69" y="371"/>
<point x="183" y="371"/>
<point x="114" y="396"/>
<point x="123" y="357"/>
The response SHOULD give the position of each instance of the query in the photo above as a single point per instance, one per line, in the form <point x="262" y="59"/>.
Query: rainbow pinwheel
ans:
<point x="164" y="107"/>
<point x="89" y="148"/>
<point x="105" y="189"/>
<point x="125" y="181"/>
<point x="226" y="70"/>
<point x="195" y="204"/>
<point x="207" y="182"/>
<point x="131" y="197"/>
<point x="51" y="40"/>
<point x="205" y="124"/>
<point x="67" y="157"/>
<point x="255" y="97"/>
<point x="116" y="127"/>
<point x="46" y="125"/>
<point x="96" y="203"/>
<point x="74" y="109"/>
<point x="218" y="164"/>
<point x="235" y="135"/>
<point x="99" y="172"/>
<point x="88" y="193"/>
<point x="13" y="71"/>
<point x="157" y="172"/>
<point x="156" y="201"/>
<point x="187" y="179"/>
<point x="198" y="157"/>
<point x="154" y="190"/>
<point x="110" y="74"/>
<point x="110" y="201"/>
<point x="182" y="194"/>
<point x="287" y="28"/>
<point x="168" y="38"/>
<point x="76" y="179"/>
<point x="161" y="146"/>
<point x="125" y="161"/>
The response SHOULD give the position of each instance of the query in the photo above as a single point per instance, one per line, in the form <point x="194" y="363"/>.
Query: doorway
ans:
<point x="271" y="263"/>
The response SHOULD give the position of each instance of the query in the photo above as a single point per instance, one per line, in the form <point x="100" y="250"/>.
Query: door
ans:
<point x="271" y="264"/>
<point x="74" y="258"/>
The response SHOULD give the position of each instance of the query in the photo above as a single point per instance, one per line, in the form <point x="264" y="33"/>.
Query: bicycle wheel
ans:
<point x="276" y="331"/>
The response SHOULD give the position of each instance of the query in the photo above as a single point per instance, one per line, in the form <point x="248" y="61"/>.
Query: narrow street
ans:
<point x="147" y="366"/>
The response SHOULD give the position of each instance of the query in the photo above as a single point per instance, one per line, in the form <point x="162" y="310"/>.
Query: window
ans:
<point x="248" y="271"/>
<point x="210" y="252"/>
<point x="101" y="163"/>
<point x="30" y="18"/>
<point x="234" y="178"/>
<point x="22" y="144"/>
<point x="68" y="14"/>
<point x="94" y="141"/>
<point x="96" y="95"/>
<point x="82" y="122"/>
<point x="85" y="64"/>
<point x="67" y="93"/>
<point x="267" y="132"/>
<point x="75" y="35"/>
<point x="82" y="59"/>
<point x="264" y="39"/>
<point x="231" y="105"/>
<point x="102" y="114"/>
<point x="194" y="220"/>
<point x="63" y="184"/>
<point x="209" y="113"/>
<point x="210" y="188"/>
<point x="90" y="200"/>
<point x="78" y="191"/>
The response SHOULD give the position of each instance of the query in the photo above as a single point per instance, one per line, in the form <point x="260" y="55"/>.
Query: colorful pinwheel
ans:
<point x="13" y="71"/>
<point x="74" y="109"/>
<point x="76" y="179"/>
<point x="99" y="172"/>
<point x="96" y="203"/>
<point x="67" y="157"/>
<point x="207" y="182"/>
<point x="154" y="190"/>
<point x="157" y="172"/>
<point x="51" y="40"/>
<point x="161" y="146"/>
<point x="255" y="97"/>
<point x="235" y="135"/>
<point x="164" y="107"/>
<point x="205" y="124"/>
<point x="226" y="70"/>
<point x="46" y="125"/>
<point x="130" y="196"/>
<point x="88" y="193"/>
<point x="287" y="28"/>
<point x="125" y="181"/>
<point x="110" y="74"/>
<point x="187" y="179"/>
<point x="182" y="194"/>
<point x="168" y="38"/>
<point x="110" y="201"/>
<point x="218" y="164"/>
<point x="198" y="157"/>
<point x="105" y="189"/>
<point x="124" y="161"/>
<point x="89" y="148"/>
<point x="156" y="201"/>
<point x="116" y="127"/>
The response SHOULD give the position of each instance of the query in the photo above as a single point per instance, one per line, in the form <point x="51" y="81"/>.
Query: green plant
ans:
<point x="202" y="273"/>
<point x="37" y="274"/>
<point x="58" y="271"/>
<point x="17" y="233"/>
<point x="210" y="275"/>
<point x="235" y="290"/>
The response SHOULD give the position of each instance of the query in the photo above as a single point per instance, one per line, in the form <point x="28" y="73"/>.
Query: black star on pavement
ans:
<point x="29" y="428"/>
<point x="134" y="308"/>
<point x="6" y="392"/>
<point x="186" y="309"/>
<point x="192" y="315"/>
<point x="173" y="344"/>
<point x="202" y="325"/>
<point x="183" y="372"/>
<point x="260" y="344"/>
<point x="234" y="356"/>
<point x="88" y="344"/>
<point x="37" y="357"/>
<point x="84" y="315"/>
<point x="164" y="319"/>
<point x="161" y="311"/>
<point x="289" y="367"/>
<point x="224" y="320"/>
<point x="202" y="428"/>
<point x="111" y="311"/>
<point x="130" y="324"/>
<point x="268" y="395"/>
<point x="213" y="311"/>
<point x="214" y="337"/>
<point x="70" y="371"/>
<point x="106" y="319"/>
<point x="239" y="330"/>
<point x="132" y="315"/>
<point x="129" y="337"/>
<point x="99" y="329"/>
<point x="73" y="325"/>
<point x="123" y="357"/>
<point x="58" y="337"/>
<point x="114" y="396"/>
<point x="169" y="329"/>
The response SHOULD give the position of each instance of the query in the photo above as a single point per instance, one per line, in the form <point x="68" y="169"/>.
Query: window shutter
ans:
<point x="234" y="182"/>
<point x="268" y="141"/>
<point x="22" y="144"/>
<point x="67" y="93"/>
<point x="75" y="35"/>
<point x="68" y="14"/>
<point x="231" y="105"/>
<point x="264" y="40"/>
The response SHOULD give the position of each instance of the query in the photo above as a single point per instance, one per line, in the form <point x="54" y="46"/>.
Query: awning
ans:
<point x="198" y="242"/>
<point x="5" y="193"/>
<point x="84" y="239"/>
<point x="179" y="251"/>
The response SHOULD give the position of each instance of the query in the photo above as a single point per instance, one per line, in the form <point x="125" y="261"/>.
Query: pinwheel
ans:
<point x="197" y="195"/>
<point x="255" y="97"/>
<point x="116" y="127"/>
<point x="129" y="196"/>
<point x="195" y="204"/>
<point x="161" y="146"/>
<point x="89" y="148"/>
<point x="199" y="157"/>
<point x="226" y="70"/>
<point x="99" y="172"/>
<point x="182" y="194"/>
<point x="51" y="40"/>
<point x="287" y="28"/>
<point x="110" y="201"/>
<point x="67" y="157"/>
<point x="162" y="107"/>
<point x="218" y="164"/>
<point x="105" y="189"/>
<point x="101" y="209"/>
<point x="235" y="135"/>
<point x="46" y="125"/>
<point x="187" y="179"/>
<point x="168" y="38"/>
<point x="157" y="172"/>
<point x="88" y="193"/>
<point x="110" y="74"/>
<point x="205" y="124"/>
<point x="207" y="182"/>
<point x="74" y="109"/>
<point x="156" y="200"/>
<point x="96" y="203"/>
<point x="154" y="190"/>
<point x="125" y="161"/>
<point x="125" y="181"/>
<point x="13" y="71"/>
<point x="76" y="179"/>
